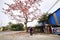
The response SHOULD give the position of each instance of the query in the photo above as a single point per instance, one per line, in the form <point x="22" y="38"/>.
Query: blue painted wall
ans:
<point x="58" y="15"/>
<point x="52" y="19"/>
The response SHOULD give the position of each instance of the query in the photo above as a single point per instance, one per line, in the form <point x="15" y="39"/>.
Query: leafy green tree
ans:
<point x="4" y="28"/>
<point x="9" y="26"/>
<point x="44" y="18"/>
<point x="17" y="27"/>
<point x="9" y="23"/>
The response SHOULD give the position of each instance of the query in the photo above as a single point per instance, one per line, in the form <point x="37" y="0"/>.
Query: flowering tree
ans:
<point x="28" y="10"/>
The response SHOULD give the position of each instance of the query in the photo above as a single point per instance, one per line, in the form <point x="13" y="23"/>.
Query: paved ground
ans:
<point x="25" y="36"/>
<point x="8" y="32"/>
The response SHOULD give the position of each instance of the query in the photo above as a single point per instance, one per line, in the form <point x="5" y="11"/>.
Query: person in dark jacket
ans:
<point x="31" y="31"/>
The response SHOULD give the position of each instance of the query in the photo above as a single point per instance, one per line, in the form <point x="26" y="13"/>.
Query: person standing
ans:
<point x="31" y="31"/>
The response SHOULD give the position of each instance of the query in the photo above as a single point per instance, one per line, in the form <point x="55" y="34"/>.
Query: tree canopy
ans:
<point x="17" y="27"/>
<point x="28" y="10"/>
<point x="44" y="17"/>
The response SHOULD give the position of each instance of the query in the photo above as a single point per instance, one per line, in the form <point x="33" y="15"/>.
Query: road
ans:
<point x="16" y="35"/>
<point x="8" y="32"/>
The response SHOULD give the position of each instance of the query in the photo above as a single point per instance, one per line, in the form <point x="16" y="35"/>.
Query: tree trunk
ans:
<point x="26" y="25"/>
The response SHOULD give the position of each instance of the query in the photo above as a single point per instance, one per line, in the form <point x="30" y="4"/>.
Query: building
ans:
<point x="54" y="18"/>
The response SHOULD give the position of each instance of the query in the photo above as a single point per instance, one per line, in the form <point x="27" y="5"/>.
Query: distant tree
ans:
<point x="17" y="27"/>
<point x="9" y="26"/>
<point x="44" y="17"/>
<point x="24" y="9"/>
<point x="4" y="28"/>
<point x="9" y="23"/>
<point x="20" y="27"/>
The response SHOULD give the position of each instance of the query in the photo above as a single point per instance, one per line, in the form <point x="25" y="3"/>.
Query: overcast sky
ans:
<point x="45" y="5"/>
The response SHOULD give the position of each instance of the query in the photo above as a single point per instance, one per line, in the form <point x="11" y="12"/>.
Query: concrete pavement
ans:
<point x="25" y="36"/>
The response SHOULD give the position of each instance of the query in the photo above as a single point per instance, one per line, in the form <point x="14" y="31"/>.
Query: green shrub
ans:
<point x="17" y="27"/>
